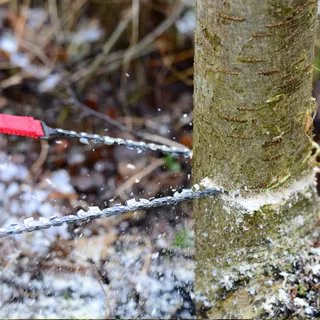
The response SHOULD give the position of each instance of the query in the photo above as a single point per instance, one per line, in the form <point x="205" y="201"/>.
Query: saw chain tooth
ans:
<point x="130" y="144"/>
<point x="30" y="224"/>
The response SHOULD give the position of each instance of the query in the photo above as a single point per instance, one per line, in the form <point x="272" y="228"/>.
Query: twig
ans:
<point x="127" y="58"/>
<point x="42" y="156"/>
<point x="77" y="5"/>
<point x="166" y="24"/>
<point x="59" y="24"/>
<point x="186" y="253"/>
<point x="135" y="31"/>
<point x="64" y="266"/>
<point x="13" y="80"/>
<point x="162" y="140"/>
<point x="147" y="261"/>
<point x="183" y="121"/>
<point x="175" y="57"/>
<point x="54" y="17"/>
<point x="21" y="22"/>
<point x="142" y="45"/>
<point x="85" y="73"/>
<point x="26" y="287"/>
<point x="74" y="100"/>
<point x="183" y="75"/>
<point x="141" y="174"/>
<point x="36" y="51"/>
<point x="168" y="62"/>
<point x="108" y="310"/>
<point x="114" y="60"/>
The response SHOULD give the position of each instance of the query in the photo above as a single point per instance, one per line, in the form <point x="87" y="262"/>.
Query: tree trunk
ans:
<point x="252" y="137"/>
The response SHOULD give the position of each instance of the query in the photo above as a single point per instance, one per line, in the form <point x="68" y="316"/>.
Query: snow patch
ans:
<point x="283" y="296"/>
<point x="210" y="184"/>
<point x="300" y="302"/>
<point x="315" y="269"/>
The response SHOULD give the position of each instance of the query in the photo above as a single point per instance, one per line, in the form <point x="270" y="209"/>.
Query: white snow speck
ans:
<point x="283" y="296"/>
<point x="227" y="282"/>
<point x="10" y="171"/>
<point x="300" y="302"/>
<point x="131" y="166"/>
<point x="187" y="23"/>
<point x="8" y="43"/>
<point x="49" y="83"/>
<point x="12" y="189"/>
<point x="60" y="180"/>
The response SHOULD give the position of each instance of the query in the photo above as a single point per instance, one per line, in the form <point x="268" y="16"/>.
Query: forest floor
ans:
<point x="57" y="66"/>
<point x="139" y="265"/>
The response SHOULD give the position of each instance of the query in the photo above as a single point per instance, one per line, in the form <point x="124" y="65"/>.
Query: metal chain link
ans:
<point x="139" y="145"/>
<point x="30" y="224"/>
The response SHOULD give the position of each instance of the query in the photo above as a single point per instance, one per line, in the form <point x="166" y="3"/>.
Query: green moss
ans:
<point x="302" y="291"/>
<point x="172" y="164"/>
<point x="184" y="239"/>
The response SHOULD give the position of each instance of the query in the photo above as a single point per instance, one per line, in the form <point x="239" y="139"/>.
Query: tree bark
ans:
<point x="252" y="137"/>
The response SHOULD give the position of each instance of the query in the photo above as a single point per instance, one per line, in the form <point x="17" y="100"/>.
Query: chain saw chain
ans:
<point x="30" y="127"/>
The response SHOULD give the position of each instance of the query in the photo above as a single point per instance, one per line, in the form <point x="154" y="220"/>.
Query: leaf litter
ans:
<point x="136" y="266"/>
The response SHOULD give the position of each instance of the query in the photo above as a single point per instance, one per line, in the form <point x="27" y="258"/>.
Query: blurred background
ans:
<point x="117" y="67"/>
<point x="122" y="68"/>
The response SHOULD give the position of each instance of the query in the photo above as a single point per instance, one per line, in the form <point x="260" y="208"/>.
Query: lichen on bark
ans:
<point x="253" y="81"/>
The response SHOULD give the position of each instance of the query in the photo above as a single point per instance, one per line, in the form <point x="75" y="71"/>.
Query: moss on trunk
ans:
<point x="252" y="128"/>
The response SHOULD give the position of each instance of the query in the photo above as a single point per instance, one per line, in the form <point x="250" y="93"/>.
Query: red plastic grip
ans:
<point x="21" y="126"/>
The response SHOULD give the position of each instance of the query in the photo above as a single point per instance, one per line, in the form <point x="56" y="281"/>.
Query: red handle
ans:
<point x="21" y="126"/>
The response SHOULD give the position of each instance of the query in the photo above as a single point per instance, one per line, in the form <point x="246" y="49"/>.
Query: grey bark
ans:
<point x="252" y="137"/>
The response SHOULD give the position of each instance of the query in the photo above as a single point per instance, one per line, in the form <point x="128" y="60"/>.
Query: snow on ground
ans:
<point x="299" y="296"/>
<point x="95" y="270"/>
<point x="162" y="291"/>
<point x="105" y="269"/>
